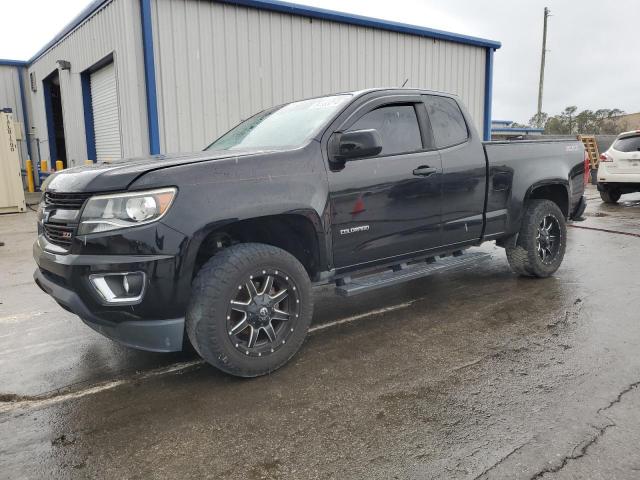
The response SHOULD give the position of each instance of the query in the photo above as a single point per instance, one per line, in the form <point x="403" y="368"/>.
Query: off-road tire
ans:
<point x="216" y="284"/>
<point x="524" y="258"/>
<point x="610" y="195"/>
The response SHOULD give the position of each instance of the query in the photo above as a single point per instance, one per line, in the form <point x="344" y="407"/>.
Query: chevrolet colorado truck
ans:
<point x="362" y="189"/>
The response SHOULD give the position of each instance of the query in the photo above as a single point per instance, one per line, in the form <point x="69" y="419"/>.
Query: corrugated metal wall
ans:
<point x="10" y="97"/>
<point x="218" y="63"/>
<point x="114" y="30"/>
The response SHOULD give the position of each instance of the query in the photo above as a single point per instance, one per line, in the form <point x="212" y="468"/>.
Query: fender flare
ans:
<point x="194" y="244"/>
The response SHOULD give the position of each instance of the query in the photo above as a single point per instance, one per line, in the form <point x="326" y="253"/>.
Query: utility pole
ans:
<point x="542" y="62"/>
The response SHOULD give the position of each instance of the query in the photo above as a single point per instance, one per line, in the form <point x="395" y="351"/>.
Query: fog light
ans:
<point x="121" y="288"/>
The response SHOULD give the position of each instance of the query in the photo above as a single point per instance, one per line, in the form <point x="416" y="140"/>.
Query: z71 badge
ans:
<point x="361" y="228"/>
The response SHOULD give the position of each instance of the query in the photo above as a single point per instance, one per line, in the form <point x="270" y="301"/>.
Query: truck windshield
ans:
<point x="286" y="126"/>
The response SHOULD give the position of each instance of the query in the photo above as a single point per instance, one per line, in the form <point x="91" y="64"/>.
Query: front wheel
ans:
<point x="250" y="309"/>
<point x="541" y="243"/>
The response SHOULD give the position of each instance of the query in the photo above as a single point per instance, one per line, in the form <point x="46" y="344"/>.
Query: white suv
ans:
<point x="619" y="168"/>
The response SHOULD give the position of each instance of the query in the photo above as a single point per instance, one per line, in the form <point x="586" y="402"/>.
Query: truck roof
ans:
<point x="391" y="89"/>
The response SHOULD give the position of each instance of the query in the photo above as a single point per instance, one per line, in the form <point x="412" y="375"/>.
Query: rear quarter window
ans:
<point x="447" y="122"/>
<point x="627" y="144"/>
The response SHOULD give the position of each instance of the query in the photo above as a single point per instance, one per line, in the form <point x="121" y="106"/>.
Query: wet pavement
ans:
<point x="473" y="373"/>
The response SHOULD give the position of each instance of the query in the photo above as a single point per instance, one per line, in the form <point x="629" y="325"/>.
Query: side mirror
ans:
<point x="356" y="144"/>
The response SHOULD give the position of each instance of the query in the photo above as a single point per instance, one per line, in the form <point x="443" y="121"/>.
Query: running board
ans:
<point x="347" y="287"/>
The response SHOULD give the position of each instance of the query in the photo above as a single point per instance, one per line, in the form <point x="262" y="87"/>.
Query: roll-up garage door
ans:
<point x="106" y="114"/>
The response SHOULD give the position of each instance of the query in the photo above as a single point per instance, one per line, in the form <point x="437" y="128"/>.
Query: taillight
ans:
<point x="605" y="158"/>
<point x="587" y="168"/>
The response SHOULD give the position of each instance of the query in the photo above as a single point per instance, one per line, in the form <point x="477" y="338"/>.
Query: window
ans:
<point x="447" y="121"/>
<point x="397" y="126"/>
<point x="627" y="144"/>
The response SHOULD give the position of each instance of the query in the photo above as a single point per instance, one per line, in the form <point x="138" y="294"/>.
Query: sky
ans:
<point x="592" y="58"/>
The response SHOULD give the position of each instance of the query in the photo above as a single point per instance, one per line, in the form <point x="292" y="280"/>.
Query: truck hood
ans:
<point x="119" y="174"/>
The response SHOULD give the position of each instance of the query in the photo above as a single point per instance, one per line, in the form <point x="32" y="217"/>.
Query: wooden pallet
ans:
<point x="591" y="147"/>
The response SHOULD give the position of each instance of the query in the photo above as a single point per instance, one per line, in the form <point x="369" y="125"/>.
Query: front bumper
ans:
<point x="152" y="335"/>
<point x="156" y="323"/>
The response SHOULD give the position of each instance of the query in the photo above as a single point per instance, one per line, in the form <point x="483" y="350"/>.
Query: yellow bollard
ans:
<point x="44" y="167"/>
<point x="30" y="185"/>
<point x="59" y="165"/>
<point x="88" y="162"/>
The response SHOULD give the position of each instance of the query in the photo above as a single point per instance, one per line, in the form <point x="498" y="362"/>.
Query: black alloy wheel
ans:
<point x="540" y="244"/>
<point x="250" y="309"/>
<point x="547" y="239"/>
<point x="263" y="314"/>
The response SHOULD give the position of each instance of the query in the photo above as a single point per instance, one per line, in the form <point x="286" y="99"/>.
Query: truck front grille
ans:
<point x="59" y="234"/>
<point x="66" y="201"/>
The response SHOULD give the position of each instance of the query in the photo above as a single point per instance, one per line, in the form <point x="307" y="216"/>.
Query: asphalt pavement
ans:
<point x="473" y="373"/>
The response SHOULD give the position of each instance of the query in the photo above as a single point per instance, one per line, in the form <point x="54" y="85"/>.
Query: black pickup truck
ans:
<point x="361" y="189"/>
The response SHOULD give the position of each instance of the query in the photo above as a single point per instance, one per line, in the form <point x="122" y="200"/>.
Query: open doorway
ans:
<point x="55" y="120"/>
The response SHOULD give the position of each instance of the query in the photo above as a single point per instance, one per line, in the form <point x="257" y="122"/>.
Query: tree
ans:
<point x="600" y="116"/>
<point x="602" y="121"/>
<point x="567" y="117"/>
<point x="585" y="122"/>
<point x="554" y="126"/>
<point x="613" y="125"/>
<point x="607" y="121"/>
<point x="538" y="120"/>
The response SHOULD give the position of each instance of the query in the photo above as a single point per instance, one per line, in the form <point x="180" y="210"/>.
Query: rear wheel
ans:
<point x="250" y="309"/>
<point x="541" y="243"/>
<point x="610" y="195"/>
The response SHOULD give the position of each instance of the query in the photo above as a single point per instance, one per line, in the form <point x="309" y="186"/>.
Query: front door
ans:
<point x="388" y="205"/>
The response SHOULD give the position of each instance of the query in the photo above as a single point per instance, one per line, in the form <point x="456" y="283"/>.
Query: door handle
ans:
<point x="424" y="171"/>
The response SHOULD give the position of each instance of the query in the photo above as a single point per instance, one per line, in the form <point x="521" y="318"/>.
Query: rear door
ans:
<point x="388" y="205"/>
<point x="463" y="171"/>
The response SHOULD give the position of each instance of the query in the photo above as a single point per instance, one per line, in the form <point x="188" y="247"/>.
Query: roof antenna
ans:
<point x="405" y="82"/>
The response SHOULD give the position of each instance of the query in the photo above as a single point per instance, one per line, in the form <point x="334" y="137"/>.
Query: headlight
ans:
<point x="121" y="210"/>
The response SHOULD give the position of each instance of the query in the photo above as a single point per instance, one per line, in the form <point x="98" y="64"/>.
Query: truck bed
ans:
<point x="515" y="168"/>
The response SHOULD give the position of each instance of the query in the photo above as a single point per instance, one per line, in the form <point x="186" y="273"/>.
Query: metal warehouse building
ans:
<point x="132" y="77"/>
